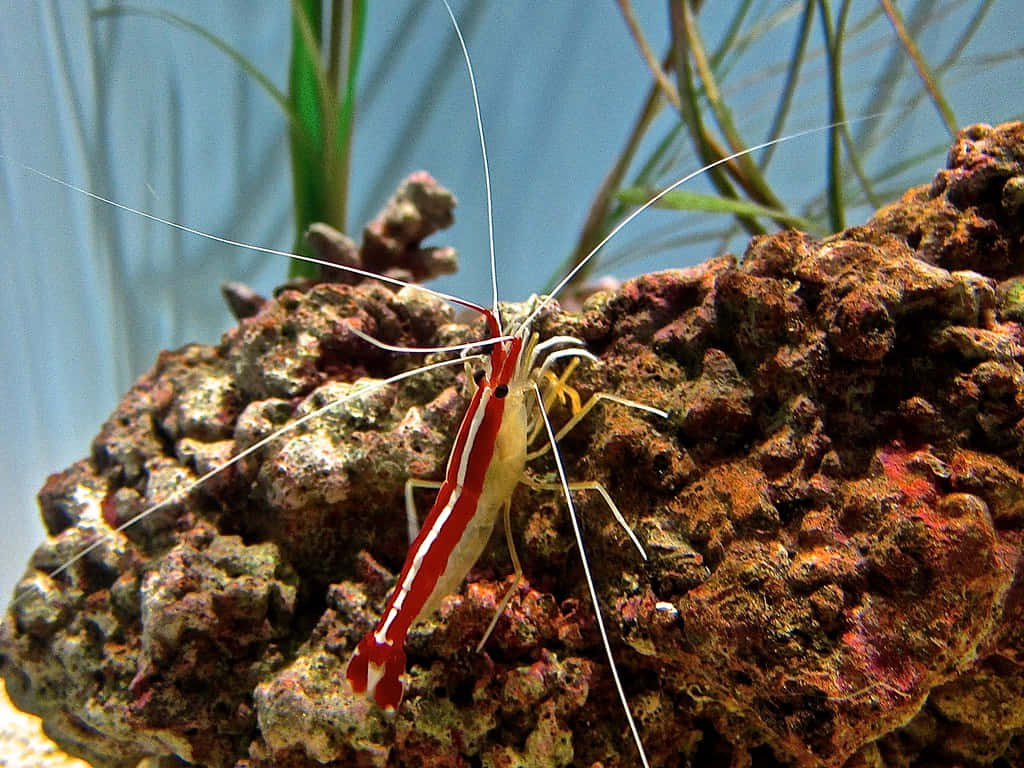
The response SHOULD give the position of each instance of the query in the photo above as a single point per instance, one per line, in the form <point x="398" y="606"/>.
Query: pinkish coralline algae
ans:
<point x="833" y="515"/>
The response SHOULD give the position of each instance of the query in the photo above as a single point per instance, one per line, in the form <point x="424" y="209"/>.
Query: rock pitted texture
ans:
<point x="834" y="514"/>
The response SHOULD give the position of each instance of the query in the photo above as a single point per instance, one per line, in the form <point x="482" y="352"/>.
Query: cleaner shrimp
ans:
<point x="524" y="340"/>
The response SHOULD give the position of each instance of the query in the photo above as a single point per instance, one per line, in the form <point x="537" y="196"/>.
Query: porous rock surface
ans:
<point x="833" y="514"/>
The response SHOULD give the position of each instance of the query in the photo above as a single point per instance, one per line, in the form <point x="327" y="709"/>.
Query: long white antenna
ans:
<point x="241" y="244"/>
<point x="590" y="578"/>
<point x="618" y="227"/>
<point x="483" y="153"/>
<point x="182" y="493"/>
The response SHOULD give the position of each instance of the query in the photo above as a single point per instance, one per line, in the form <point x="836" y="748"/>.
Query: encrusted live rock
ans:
<point x="391" y="242"/>
<point x="833" y="515"/>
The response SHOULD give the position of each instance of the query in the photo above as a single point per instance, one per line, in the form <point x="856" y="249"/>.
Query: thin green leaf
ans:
<point x="726" y="59"/>
<point x="835" y="109"/>
<point x="788" y="91"/>
<point x="647" y="53"/>
<point x="708" y="148"/>
<point x="970" y="29"/>
<point x="749" y="175"/>
<point x="321" y="149"/>
<point x="347" y="114"/>
<point x="218" y="42"/>
<point x="731" y="36"/>
<point x="601" y="214"/>
<point x="920" y="65"/>
<point x="308" y="137"/>
<point x="685" y="200"/>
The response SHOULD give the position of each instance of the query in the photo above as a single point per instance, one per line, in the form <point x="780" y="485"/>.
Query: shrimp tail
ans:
<point x="376" y="670"/>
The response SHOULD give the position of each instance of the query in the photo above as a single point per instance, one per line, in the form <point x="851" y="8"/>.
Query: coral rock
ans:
<point x="832" y="515"/>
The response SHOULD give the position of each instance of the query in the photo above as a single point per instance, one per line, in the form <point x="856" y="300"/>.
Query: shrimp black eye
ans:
<point x="478" y="375"/>
<point x="501" y="390"/>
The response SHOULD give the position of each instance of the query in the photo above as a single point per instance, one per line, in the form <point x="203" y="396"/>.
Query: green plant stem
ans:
<point x="709" y="150"/>
<point x="685" y="200"/>
<point x="835" y="111"/>
<point x="596" y="225"/>
<point x="217" y="42"/>
<point x="660" y="77"/>
<point x="354" y="48"/>
<point x="308" y="145"/>
<point x="851" y="147"/>
<point x="321" y="144"/>
<point x="750" y="177"/>
<point x="796" y="60"/>
<point x="896" y="19"/>
<point x="334" y="45"/>
<point x="731" y="36"/>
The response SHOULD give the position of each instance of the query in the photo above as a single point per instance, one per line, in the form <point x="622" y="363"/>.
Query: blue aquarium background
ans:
<point x="156" y="118"/>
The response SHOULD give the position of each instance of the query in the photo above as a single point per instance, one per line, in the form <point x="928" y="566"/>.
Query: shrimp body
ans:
<point x="486" y="463"/>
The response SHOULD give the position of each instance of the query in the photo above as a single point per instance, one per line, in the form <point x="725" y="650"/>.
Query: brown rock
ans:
<point x="832" y="514"/>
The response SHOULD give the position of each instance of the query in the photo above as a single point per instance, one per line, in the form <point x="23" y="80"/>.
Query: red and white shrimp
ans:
<point x="487" y="462"/>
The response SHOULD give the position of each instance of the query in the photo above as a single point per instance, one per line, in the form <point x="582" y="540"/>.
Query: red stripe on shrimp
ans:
<point x="378" y="662"/>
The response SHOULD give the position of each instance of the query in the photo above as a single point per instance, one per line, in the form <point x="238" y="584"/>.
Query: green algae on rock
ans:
<point x="833" y="515"/>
